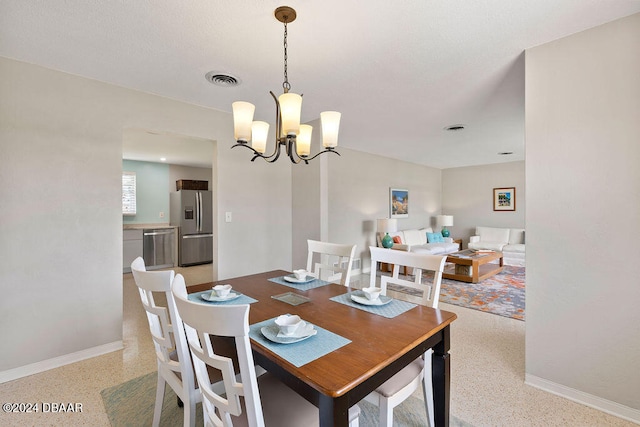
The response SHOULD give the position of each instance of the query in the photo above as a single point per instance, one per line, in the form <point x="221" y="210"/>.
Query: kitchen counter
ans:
<point x="143" y="226"/>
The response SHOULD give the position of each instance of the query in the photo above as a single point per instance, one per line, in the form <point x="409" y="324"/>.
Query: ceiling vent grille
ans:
<point x="222" y="79"/>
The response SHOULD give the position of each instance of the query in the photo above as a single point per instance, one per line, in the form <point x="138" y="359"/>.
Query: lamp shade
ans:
<point x="290" y="110"/>
<point x="330" y="127"/>
<point x="445" y="220"/>
<point x="303" y="140"/>
<point x="242" y="119"/>
<point x="259" y="133"/>
<point x="387" y="225"/>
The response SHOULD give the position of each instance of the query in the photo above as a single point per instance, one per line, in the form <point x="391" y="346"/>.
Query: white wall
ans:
<point x="61" y="244"/>
<point x="583" y="206"/>
<point x="339" y="198"/>
<point x="467" y="194"/>
<point x="358" y="194"/>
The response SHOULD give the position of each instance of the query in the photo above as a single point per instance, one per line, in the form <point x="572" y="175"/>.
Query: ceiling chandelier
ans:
<point x="291" y="136"/>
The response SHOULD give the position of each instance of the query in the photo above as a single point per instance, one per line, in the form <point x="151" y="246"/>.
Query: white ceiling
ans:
<point x="399" y="73"/>
<point x="151" y="146"/>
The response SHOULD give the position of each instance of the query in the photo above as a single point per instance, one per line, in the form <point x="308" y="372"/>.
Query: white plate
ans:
<point x="293" y="279"/>
<point x="271" y="332"/>
<point x="381" y="300"/>
<point x="230" y="296"/>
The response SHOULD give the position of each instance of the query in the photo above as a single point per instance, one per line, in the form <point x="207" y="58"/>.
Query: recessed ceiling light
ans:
<point x="163" y="159"/>
<point x="222" y="79"/>
<point x="454" y="128"/>
<point x="505" y="153"/>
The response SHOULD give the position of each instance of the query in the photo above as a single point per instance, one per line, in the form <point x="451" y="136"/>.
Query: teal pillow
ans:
<point x="435" y="238"/>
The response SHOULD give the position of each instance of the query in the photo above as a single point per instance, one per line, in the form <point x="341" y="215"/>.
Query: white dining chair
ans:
<point x="395" y="390"/>
<point x="330" y="261"/>
<point x="168" y="335"/>
<point x="266" y="401"/>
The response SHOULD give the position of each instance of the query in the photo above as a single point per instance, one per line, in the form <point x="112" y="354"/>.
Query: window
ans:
<point x="128" y="193"/>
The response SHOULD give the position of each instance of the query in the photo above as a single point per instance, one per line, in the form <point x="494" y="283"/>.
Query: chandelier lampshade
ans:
<point x="330" y="126"/>
<point x="290" y="110"/>
<point x="291" y="136"/>
<point x="303" y="143"/>
<point x="259" y="133"/>
<point x="242" y="118"/>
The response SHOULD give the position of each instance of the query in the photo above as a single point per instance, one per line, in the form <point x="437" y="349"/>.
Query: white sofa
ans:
<point x="509" y="241"/>
<point x="415" y="240"/>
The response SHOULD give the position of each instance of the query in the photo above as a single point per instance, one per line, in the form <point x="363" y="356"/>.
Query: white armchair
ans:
<point x="509" y="241"/>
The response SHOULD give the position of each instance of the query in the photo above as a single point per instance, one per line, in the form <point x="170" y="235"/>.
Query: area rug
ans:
<point x="502" y="294"/>
<point x="131" y="404"/>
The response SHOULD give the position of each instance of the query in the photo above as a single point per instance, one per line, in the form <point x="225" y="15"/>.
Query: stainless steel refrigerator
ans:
<point x="191" y="212"/>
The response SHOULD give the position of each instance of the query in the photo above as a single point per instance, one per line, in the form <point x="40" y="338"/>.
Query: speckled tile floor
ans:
<point x="487" y="384"/>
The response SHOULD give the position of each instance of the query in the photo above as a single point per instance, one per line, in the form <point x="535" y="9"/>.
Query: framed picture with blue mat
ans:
<point x="398" y="203"/>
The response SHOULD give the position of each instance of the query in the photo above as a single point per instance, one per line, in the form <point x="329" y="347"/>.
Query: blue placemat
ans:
<point x="315" y="283"/>
<point x="242" y="299"/>
<point x="391" y="310"/>
<point x="302" y="352"/>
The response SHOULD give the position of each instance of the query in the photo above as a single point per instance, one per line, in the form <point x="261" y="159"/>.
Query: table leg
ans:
<point x="440" y="375"/>
<point x="333" y="412"/>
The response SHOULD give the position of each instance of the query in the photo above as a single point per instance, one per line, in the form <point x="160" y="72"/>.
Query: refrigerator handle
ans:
<point x="199" y="211"/>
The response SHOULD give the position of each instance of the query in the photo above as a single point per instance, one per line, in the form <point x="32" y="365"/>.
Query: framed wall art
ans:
<point x="398" y="203"/>
<point x="504" y="199"/>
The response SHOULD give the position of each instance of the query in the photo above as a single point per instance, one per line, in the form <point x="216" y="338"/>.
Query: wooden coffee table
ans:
<point x="472" y="267"/>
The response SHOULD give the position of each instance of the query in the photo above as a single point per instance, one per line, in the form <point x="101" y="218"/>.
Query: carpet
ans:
<point x="131" y="404"/>
<point x="502" y="294"/>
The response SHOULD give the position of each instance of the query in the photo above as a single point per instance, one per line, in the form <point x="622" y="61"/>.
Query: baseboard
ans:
<point x="587" y="399"/>
<point x="56" y="362"/>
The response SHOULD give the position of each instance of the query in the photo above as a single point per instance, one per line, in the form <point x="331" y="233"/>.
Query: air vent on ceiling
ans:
<point x="222" y="79"/>
<point x="454" y="128"/>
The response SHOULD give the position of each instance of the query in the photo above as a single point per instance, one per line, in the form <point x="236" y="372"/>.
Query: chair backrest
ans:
<point x="335" y="261"/>
<point x="419" y="262"/>
<point x="165" y="324"/>
<point x="202" y="322"/>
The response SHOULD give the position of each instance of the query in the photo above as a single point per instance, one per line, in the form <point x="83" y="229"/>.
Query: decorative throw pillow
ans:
<point x="397" y="239"/>
<point x="435" y="238"/>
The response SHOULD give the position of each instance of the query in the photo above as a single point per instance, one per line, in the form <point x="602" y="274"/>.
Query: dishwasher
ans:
<point x="157" y="247"/>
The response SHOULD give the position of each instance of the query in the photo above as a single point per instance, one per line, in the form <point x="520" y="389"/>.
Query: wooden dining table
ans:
<point x="379" y="346"/>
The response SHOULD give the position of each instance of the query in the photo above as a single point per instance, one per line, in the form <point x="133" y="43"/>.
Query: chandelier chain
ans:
<point x="285" y="85"/>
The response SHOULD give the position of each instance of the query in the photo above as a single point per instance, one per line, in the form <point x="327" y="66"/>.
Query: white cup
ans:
<point x="300" y="274"/>
<point x="221" y="290"/>
<point x="372" y="293"/>
<point x="288" y="324"/>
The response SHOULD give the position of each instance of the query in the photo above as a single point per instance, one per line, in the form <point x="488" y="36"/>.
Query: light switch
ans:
<point x="161" y="214"/>
<point x="227" y="216"/>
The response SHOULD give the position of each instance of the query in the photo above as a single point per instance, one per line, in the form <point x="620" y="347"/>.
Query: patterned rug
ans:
<point x="502" y="294"/>
<point x="131" y="404"/>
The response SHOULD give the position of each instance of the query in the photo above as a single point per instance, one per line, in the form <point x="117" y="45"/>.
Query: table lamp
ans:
<point x="386" y="225"/>
<point x="445" y="221"/>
